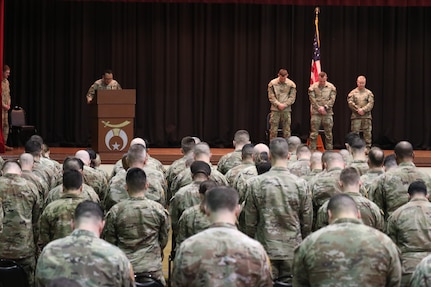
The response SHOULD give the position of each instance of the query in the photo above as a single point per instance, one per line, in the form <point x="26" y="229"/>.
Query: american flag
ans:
<point x="315" y="61"/>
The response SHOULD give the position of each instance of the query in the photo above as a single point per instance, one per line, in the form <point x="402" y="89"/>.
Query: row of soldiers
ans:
<point x="299" y="182"/>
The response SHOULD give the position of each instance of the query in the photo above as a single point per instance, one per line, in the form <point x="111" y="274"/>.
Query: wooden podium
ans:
<point x="112" y="114"/>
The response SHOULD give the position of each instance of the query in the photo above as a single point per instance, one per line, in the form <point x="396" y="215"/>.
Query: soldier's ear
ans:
<point x="237" y="210"/>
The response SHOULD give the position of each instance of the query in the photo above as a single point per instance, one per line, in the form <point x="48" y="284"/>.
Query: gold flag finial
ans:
<point x="317" y="10"/>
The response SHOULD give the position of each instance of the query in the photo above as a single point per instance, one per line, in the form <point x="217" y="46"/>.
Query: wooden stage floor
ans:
<point x="168" y="155"/>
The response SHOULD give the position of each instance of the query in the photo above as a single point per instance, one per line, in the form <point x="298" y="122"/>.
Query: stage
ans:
<point x="168" y="155"/>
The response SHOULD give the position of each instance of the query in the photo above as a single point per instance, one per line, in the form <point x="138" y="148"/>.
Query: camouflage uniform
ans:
<point x="371" y="214"/>
<point x="390" y="191"/>
<point x="192" y="221"/>
<point x="96" y="180"/>
<point x="117" y="189"/>
<point x="56" y="218"/>
<point x="186" y="197"/>
<point x="185" y="177"/>
<point x="361" y="99"/>
<point x="54" y="166"/>
<point x="100" y="85"/>
<point x="368" y="178"/>
<point x="21" y="209"/>
<point x="151" y="162"/>
<point x="221" y="256"/>
<point x="229" y="160"/>
<point x="85" y="258"/>
<point x="323" y="186"/>
<point x="347" y="253"/>
<point x="312" y="174"/>
<point x="240" y="182"/>
<point x="281" y="93"/>
<point x="409" y="228"/>
<point x="40" y="184"/>
<point x="47" y="173"/>
<point x="57" y="192"/>
<point x="173" y="170"/>
<point x="140" y="227"/>
<point x="5" y="93"/>
<point x="278" y="213"/>
<point x="325" y="97"/>
<point x="299" y="167"/>
<point x="422" y="274"/>
<point x="360" y="165"/>
<point x="233" y="172"/>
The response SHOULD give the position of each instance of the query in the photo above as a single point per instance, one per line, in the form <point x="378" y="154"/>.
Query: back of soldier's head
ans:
<point x="201" y="148"/>
<point x="303" y="151"/>
<point x="37" y="138"/>
<point x="136" y="179"/>
<point x="349" y="176"/>
<point x="33" y="147"/>
<point x="263" y="167"/>
<point x="26" y="159"/>
<point x="390" y="161"/>
<point x="11" y="166"/>
<point x="73" y="163"/>
<point x="342" y="205"/>
<point x="187" y="144"/>
<point x="137" y="154"/>
<point x="88" y="211"/>
<point x="293" y="142"/>
<point x="278" y="148"/>
<point x="206" y="185"/>
<point x="140" y="141"/>
<point x="221" y="198"/>
<point x="247" y="151"/>
<point x="72" y="180"/>
<point x="333" y="159"/>
<point x="417" y="187"/>
<point x="241" y="137"/>
<point x="357" y="144"/>
<point x="316" y="158"/>
<point x="376" y="157"/>
<point x="403" y="150"/>
<point x="350" y="137"/>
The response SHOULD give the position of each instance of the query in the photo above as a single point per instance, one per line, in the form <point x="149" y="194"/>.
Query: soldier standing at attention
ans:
<point x="221" y="255"/>
<point x="409" y="228"/>
<point x="281" y="95"/>
<point x="139" y="226"/>
<point x="361" y="102"/>
<point x="322" y="96"/>
<point x="83" y="256"/>
<point x="278" y="210"/>
<point x="21" y="208"/>
<point x="346" y="252"/>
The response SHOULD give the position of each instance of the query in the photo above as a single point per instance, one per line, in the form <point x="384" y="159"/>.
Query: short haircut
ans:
<point x="350" y="176"/>
<point x="357" y="143"/>
<point x="403" y="149"/>
<point x="73" y="163"/>
<point x="376" y="156"/>
<point x="187" y="144"/>
<point x="417" y="187"/>
<point x="263" y="167"/>
<point x="390" y="160"/>
<point x="220" y="198"/>
<point x="9" y="165"/>
<point x="247" y="151"/>
<point x="72" y="179"/>
<point x="206" y="185"/>
<point x="6" y="68"/>
<point x="88" y="209"/>
<point x="202" y="148"/>
<point x="37" y="138"/>
<point x="303" y="149"/>
<point x="242" y="137"/>
<point x="322" y="75"/>
<point x="92" y="153"/>
<point x="348" y="139"/>
<point x="293" y="142"/>
<point x="278" y="148"/>
<point x="137" y="153"/>
<point x="136" y="179"/>
<point x="342" y="203"/>
<point x="33" y="147"/>
<point x="330" y="157"/>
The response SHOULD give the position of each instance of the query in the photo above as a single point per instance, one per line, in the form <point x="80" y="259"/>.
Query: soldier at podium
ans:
<point x="107" y="82"/>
